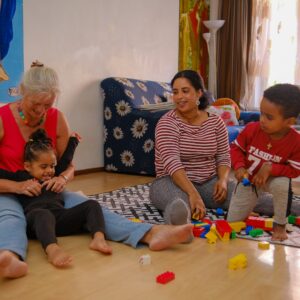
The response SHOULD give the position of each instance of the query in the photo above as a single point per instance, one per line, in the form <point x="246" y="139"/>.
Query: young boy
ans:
<point x="268" y="153"/>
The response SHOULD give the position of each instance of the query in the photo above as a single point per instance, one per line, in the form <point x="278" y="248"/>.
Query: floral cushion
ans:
<point x="226" y="112"/>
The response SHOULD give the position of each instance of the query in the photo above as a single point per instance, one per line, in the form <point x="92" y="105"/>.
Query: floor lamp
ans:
<point x="210" y="38"/>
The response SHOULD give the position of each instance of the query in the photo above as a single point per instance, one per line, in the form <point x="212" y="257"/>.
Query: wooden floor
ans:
<point x="200" y="268"/>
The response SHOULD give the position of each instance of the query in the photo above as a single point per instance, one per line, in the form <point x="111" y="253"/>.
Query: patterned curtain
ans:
<point x="193" y="52"/>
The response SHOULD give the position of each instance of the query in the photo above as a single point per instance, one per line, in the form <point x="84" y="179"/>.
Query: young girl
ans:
<point x="45" y="214"/>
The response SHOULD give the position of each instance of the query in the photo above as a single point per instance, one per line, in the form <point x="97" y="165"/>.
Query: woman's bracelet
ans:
<point x="64" y="177"/>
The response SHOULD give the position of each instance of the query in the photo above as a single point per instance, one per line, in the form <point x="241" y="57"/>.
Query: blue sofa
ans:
<point x="129" y="130"/>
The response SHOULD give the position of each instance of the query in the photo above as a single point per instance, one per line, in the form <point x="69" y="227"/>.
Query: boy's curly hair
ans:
<point x="287" y="96"/>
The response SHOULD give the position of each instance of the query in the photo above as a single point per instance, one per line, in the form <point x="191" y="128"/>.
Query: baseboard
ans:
<point x="88" y="171"/>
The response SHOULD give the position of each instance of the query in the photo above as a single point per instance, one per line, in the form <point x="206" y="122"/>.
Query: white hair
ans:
<point x="40" y="79"/>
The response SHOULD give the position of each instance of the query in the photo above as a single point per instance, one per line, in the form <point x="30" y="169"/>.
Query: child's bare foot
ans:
<point x="161" y="237"/>
<point x="57" y="256"/>
<point x="11" y="266"/>
<point x="99" y="244"/>
<point x="279" y="233"/>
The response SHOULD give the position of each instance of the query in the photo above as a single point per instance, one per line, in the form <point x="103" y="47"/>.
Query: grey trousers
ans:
<point x="174" y="202"/>
<point x="245" y="200"/>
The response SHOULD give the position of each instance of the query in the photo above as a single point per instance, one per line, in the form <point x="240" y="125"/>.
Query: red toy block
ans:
<point x="298" y="221"/>
<point x="165" y="277"/>
<point x="197" y="231"/>
<point x="208" y="221"/>
<point x="257" y="222"/>
<point x="223" y="227"/>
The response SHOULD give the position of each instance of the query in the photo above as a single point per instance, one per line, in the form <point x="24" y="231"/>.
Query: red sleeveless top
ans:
<point x="12" y="144"/>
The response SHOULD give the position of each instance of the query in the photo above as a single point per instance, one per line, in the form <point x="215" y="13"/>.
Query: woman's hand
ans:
<point x="55" y="184"/>
<point x="220" y="191"/>
<point x="197" y="207"/>
<point x="29" y="188"/>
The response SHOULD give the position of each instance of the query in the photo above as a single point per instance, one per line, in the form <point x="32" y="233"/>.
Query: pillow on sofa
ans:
<point x="228" y="101"/>
<point x="226" y="112"/>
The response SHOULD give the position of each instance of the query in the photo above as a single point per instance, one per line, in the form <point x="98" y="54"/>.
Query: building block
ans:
<point x="165" y="277"/>
<point x="258" y="222"/>
<point x="135" y="220"/>
<point x="246" y="182"/>
<point x="220" y="211"/>
<point x="238" y="261"/>
<point x="223" y="230"/>
<point x="237" y="226"/>
<point x="197" y="231"/>
<point x="233" y="235"/>
<point x="211" y="237"/>
<point x="256" y="232"/>
<point x="145" y="259"/>
<point x="292" y="219"/>
<point x="196" y="215"/>
<point x="269" y="223"/>
<point x="208" y="221"/>
<point x="298" y="221"/>
<point x="264" y="245"/>
<point x="248" y="229"/>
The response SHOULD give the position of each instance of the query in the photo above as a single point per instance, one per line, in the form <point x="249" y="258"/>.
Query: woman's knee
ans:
<point x="10" y="208"/>
<point x="72" y="199"/>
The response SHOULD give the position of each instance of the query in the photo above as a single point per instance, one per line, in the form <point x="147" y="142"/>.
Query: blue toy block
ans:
<point x="246" y="182"/>
<point x="220" y="211"/>
<point x="248" y="229"/>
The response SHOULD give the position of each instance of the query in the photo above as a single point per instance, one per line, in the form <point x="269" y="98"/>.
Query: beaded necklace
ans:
<point x="41" y="121"/>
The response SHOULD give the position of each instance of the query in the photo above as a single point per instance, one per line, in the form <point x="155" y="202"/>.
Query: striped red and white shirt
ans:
<point x="198" y="149"/>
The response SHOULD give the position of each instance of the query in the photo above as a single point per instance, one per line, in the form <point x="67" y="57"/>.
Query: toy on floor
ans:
<point x="165" y="277"/>
<point x="223" y="230"/>
<point x="145" y="259"/>
<point x="237" y="262"/>
<point x="264" y="245"/>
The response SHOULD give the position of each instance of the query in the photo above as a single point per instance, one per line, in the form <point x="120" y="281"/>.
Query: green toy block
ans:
<point x="256" y="232"/>
<point x="292" y="219"/>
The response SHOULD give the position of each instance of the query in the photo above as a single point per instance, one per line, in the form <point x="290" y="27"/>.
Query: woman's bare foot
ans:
<point x="57" y="256"/>
<point x="161" y="237"/>
<point x="11" y="266"/>
<point x="279" y="233"/>
<point x="99" y="244"/>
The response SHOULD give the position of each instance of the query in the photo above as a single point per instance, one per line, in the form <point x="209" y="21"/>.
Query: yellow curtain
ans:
<point x="193" y="52"/>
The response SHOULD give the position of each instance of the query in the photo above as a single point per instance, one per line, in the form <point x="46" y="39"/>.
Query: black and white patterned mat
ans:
<point x="133" y="202"/>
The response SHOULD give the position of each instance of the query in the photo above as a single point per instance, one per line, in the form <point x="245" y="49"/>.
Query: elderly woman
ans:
<point x="39" y="90"/>
<point x="192" y="156"/>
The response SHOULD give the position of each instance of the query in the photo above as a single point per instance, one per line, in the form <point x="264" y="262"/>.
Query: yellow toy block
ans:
<point x="135" y="220"/>
<point x="237" y="226"/>
<point x="269" y="223"/>
<point x="211" y="237"/>
<point x="238" y="261"/>
<point x="264" y="245"/>
<point x="225" y="237"/>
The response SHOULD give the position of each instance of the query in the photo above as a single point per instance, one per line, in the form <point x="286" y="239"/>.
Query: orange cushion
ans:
<point x="228" y="101"/>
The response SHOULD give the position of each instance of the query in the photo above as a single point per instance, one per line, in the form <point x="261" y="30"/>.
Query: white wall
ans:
<point x="88" y="40"/>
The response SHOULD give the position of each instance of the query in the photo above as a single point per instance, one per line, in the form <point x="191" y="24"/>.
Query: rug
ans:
<point x="133" y="202"/>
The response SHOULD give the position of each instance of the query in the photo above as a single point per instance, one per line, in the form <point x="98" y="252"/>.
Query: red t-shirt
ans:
<point x="250" y="150"/>
<point x="12" y="144"/>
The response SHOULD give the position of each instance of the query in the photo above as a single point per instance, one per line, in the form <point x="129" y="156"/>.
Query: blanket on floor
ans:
<point x="133" y="202"/>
